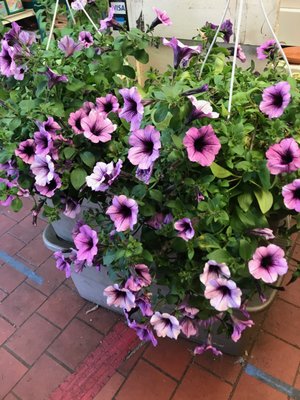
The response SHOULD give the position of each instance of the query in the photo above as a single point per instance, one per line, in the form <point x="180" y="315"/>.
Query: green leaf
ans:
<point x="78" y="176"/>
<point x="177" y="141"/>
<point x="219" y="63"/>
<point x="142" y="56"/>
<point x="88" y="158"/>
<point x="246" y="249"/>
<point x="128" y="71"/>
<point x="16" y="204"/>
<point x="245" y="200"/>
<point x="156" y="195"/>
<point x="75" y="85"/>
<point x="27" y="105"/>
<point x="264" y="175"/>
<point x="264" y="199"/>
<point x="219" y="172"/>
<point x="219" y="255"/>
<point x="161" y="112"/>
<point x="147" y="255"/>
<point x="69" y="152"/>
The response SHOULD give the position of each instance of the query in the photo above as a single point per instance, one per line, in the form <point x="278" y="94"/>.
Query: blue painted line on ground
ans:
<point x="17" y="265"/>
<point x="273" y="382"/>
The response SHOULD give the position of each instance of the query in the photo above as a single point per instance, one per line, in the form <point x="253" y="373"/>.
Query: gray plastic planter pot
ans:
<point x="90" y="284"/>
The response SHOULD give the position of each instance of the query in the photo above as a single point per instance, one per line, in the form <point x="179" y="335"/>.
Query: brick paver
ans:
<point x="32" y="339"/>
<point x="171" y="356"/>
<point x="41" y="379"/>
<point x="11" y="372"/>
<point x="75" y="343"/>
<point x="21" y="304"/>
<point x="45" y="334"/>
<point x="250" y="388"/>
<point x="62" y="306"/>
<point x="147" y="383"/>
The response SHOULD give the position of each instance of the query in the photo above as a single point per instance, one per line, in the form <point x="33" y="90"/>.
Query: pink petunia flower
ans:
<point x="213" y="270"/>
<point x="86" y="241"/>
<point x="118" y="297"/>
<point x="133" y="108"/>
<point x="202" y="145"/>
<point x="97" y="128"/>
<point x="185" y="229"/>
<point x="123" y="212"/>
<point x="165" y="325"/>
<point x="283" y="157"/>
<point x="275" y="99"/>
<point x="223" y="294"/>
<point x="145" y="147"/>
<point x="268" y="263"/>
<point x="26" y="151"/>
<point x="291" y="195"/>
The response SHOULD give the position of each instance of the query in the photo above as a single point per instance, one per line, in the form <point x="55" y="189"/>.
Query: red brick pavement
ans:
<point x="47" y="338"/>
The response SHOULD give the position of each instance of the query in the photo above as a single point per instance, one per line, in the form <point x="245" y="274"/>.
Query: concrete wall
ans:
<point x="188" y="15"/>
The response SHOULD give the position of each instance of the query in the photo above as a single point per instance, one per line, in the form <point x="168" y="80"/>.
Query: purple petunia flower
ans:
<point x="43" y="142"/>
<point x="165" y="325"/>
<point x="202" y="145"/>
<point x="49" y="126"/>
<point x="207" y="346"/>
<point x="159" y="219"/>
<point x="291" y="195"/>
<point x="103" y="176"/>
<point x="72" y="208"/>
<point x="145" y="147"/>
<point x="43" y="169"/>
<point x="223" y="294"/>
<point x="97" y="128"/>
<point x="11" y="169"/>
<point x="62" y="264"/>
<point x="161" y="18"/>
<point x="107" y="104"/>
<point x="188" y="324"/>
<point x="49" y="189"/>
<point x="7" y="59"/>
<point x="283" y="157"/>
<point x="88" y="106"/>
<point x="53" y="78"/>
<point x="267" y="263"/>
<point x="213" y="270"/>
<point x="123" y="212"/>
<point x="75" y="120"/>
<point x="185" y="228"/>
<point x="144" y="175"/>
<point x="86" y="241"/>
<point x="26" y="151"/>
<point x="239" y="326"/>
<point x="226" y="29"/>
<point x="108" y="22"/>
<point x="188" y="327"/>
<point x="86" y="39"/>
<point x="263" y="232"/>
<point x="140" y="278"/>
<point x="68" y="46"/>
<point x="118" y="297"/>
<point x="143" y="332"/>
<point x="266" y="50"/>
<point x="240" y="54"/>
<point x="78" y="5"/>
<point x="182" y="53"/>
<point x="144" y="304"/>
<point x="133" y="108"/>
<point x="275" y="99"/>
<point x="6" y="202"/>
<point x="201" y="109"/>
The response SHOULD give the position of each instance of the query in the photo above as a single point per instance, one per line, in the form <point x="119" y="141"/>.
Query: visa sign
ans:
<point x="120" y="8"/>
